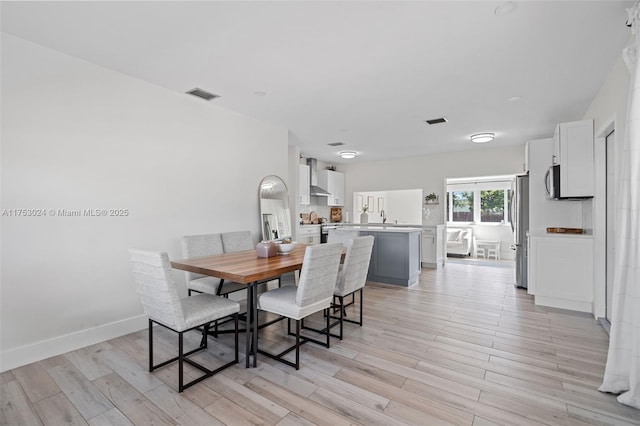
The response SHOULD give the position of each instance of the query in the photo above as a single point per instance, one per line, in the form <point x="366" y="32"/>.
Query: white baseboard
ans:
<point x="38" y="351"/>
<point x="555" y="302"/>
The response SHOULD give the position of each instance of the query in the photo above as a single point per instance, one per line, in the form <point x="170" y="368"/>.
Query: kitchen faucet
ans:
<point x="383" y="215"/>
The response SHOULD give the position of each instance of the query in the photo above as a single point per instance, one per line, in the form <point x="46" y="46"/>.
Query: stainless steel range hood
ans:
<point x="314" y="189"/>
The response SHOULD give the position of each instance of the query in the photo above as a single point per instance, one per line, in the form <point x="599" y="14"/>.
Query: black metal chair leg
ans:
<point x="180" y="361"/>
<point x="297" y="344"/>
<point x="235" y="320"/>
<point x="341" y="315"/>
<point x="361" y="304"/>
<point x="205" y="334"/>
<point x="150" y="345"/>
<point x="328" y="331"/>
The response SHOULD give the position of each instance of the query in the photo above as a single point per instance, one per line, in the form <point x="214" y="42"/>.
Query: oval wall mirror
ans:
<point x="274" y="209"/>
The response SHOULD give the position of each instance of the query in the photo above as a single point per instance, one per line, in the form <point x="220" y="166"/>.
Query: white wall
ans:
<point x="429" y="173"/>
<point x="78" y="136"/>
<point x="609" y="110"/>
<point x="403" y="206"/>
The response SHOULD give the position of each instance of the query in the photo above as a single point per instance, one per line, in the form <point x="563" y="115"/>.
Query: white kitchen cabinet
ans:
<point x="432" y="252"/>
<point x="309" y="234"/>
<point x="333" y="182"/>
<point x="543" y="212"/>
<point x="561" y="271"/>
<point x="573" y="151"/>
<point x="304" y="197"/>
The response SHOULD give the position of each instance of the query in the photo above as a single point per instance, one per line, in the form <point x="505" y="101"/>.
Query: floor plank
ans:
<point x="15" y="408"/>
<point x="87" y="399"/>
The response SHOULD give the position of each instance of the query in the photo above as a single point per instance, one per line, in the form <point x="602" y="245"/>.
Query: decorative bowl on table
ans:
<point x="285" y="247"/>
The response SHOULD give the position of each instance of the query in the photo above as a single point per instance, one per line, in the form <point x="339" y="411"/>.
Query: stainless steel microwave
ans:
<point x="552" y="182"/>
<point x="552" y="185"/>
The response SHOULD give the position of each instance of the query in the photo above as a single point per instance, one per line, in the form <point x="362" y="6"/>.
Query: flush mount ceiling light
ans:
<point x="506" y="8"/>
<point x="482" y="137"/>
<point x="347" y="155"/>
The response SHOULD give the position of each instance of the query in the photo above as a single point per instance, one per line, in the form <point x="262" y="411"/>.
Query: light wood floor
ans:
<point x="463" y="347"/>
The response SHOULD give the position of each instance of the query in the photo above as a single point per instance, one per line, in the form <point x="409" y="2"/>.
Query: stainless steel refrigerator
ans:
<point x="519" y="218"/>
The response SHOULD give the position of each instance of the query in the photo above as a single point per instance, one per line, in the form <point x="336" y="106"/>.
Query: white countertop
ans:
<point x="381" y="225"/>
<point x="396" y="229"/>
<point x="542" y="234"/>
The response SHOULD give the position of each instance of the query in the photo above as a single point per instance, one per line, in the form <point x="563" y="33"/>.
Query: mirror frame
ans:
<point x="275" y="215"/>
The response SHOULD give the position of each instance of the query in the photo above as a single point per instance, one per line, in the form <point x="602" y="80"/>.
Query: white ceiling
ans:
<point x="364" y="73"/>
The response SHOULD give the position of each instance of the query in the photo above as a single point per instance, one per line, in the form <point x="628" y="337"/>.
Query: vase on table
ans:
<point x="364" y="217"/>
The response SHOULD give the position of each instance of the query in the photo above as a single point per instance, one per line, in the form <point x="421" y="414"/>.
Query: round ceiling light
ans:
<point x="482" y="137"/>
<point x="506" y="8"/>
<point x="348" y="154"/>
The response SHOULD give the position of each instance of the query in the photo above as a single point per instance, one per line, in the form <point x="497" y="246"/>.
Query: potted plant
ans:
<point x="431" y="199"/>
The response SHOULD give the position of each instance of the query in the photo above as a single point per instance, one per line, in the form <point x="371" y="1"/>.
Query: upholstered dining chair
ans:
<point x="233" y="242"/>
<point x="207" y="245"/>
<point x="341" y="236"/>
<point x="159" y="296"/>
<point x="313" y="294"/>
<point x="237" y="241"/>
<point x="352" y="277"/>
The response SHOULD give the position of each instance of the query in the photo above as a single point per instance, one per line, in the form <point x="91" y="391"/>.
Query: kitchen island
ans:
<point x="396" y="252"/>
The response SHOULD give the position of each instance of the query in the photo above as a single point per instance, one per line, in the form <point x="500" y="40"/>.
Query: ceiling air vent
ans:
<point x="202" y="94"/>
<point x="336" y="144"/>
<point x="437" y="120"/>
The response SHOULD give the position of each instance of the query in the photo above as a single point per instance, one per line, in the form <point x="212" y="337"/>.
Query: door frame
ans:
<point x="600" y="218"/>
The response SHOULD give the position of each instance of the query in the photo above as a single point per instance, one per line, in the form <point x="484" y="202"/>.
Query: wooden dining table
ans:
<point x="247" y="268"/>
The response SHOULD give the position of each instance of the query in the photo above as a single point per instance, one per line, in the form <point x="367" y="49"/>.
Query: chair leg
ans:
<point x="150" y="345"/>
<point x="297" y="344"/>
<point x="205" y="335"/>
<point x="361" y="304"/>
<point x="235" y="320"/>
<point x="341" y="299"/>
<point x="180" y="362"/>
<point x="328" y="331"/>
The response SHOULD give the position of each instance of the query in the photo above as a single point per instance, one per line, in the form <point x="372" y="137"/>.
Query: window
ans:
<point x="478" y="200"/>
<point x="461" y="206"/>
<point x="492" y="205"/>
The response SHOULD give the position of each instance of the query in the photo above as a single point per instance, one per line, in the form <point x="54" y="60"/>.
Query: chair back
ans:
<point x="356" y="266"/>
<point x="341" y="236"/>
<point x="318" y="275"/>
<point x="237" y="241"/>
<point x="200" y="245"/>
<point x="157" y="288"/>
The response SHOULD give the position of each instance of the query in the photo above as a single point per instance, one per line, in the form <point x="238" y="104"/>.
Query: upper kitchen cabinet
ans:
<point x="333" y="182"/>
<point x="304" y="181"/>
<point x="573" y="151"/>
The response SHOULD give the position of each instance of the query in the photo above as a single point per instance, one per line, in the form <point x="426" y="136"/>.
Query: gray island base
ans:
<point x="396" y="252"/>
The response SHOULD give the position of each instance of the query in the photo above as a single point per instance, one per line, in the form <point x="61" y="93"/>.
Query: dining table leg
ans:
<point x="248" y="328"/>
<point x="255" y="324"/>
